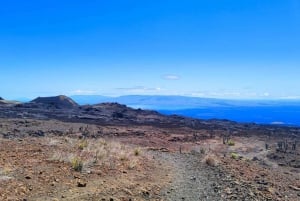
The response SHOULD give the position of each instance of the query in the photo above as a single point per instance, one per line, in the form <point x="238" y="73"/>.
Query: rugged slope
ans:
<point x="61" y="102"/>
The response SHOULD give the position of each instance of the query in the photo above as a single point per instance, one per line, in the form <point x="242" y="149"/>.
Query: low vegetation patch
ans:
<point x="231" y="143"/>
<point x="137" y="152"/>
<point x="100" y="154"/>
<point x="234" y="156"/>
<point x="82" y="144"/>
<point x="77" y="164"/>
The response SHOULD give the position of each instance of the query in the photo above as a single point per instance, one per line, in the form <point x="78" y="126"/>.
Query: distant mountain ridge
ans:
<point x="178" y="102"/>
<point x="255" y="111"/>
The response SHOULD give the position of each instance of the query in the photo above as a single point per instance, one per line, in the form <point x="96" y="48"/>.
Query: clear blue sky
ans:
<point x="209" y="48"/>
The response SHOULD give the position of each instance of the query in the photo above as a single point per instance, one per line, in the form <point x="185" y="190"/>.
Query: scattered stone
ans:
<point x="294" y="188"/>
<point x="27" y="177"/>
<point x="81" y="184"/>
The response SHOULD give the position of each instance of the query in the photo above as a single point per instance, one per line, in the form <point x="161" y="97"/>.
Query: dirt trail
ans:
<point x="194" y="180"/>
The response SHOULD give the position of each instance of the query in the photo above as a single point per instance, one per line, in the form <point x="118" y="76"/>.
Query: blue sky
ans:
<point x="207" y="48"/>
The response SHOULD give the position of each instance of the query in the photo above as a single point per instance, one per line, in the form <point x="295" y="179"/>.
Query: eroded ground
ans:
<point x="38" y="162"/>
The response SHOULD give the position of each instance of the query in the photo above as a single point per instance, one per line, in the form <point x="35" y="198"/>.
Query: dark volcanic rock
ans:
<point x="65" y="109"/>
<point x="61" y="102"/>
<point x="3" y="101"/>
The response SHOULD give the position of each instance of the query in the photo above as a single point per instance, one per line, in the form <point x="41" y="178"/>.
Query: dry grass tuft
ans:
<point x="137" y="152"/>
<point x="82" y="144"/>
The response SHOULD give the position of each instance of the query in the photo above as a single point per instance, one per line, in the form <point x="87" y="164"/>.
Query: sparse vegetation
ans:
<point x="234" y="155"/>
<point x="132" y="164"/>
<point x="137" y="152"/>
<point x="77" y="164"/>
<point x="123" y="157"/>
<point x="96" y="153"/>
<point x="231" y="143"/>
<point x="82" y="144"/>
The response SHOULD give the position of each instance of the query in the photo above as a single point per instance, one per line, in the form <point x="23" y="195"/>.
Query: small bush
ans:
<point x="137" y="152"/>
<point x="77" y="164"/>
<point x="210" y="161"/>
<point x="123" y="158"/>
<point x="202" y="151"/>
<point x="234" y="155"/>
<point x="102" y="142"/>
<point x="83" y="144"/>
<point x="231" y="143"/>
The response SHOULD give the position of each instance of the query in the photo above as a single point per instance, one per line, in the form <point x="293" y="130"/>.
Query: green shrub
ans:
<point x="231" y="143"/>
<point x="77" y="164"/>
<point x="137" y="152"/>
<point x="83" y="144"/>
<point x="234" y="155"/>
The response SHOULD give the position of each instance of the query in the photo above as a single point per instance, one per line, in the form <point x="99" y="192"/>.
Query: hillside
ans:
<point x="62" y="102"/>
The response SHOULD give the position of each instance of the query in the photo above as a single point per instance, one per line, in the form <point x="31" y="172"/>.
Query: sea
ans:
<point x="276" y="115"/>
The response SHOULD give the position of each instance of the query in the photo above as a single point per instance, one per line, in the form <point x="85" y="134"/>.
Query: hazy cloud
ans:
<point x="139" y="89"/>
<point x="266" y="94"/>
<point x="171" y="77"/>
<point x="83" y="92"/>
<point x="290" y="97"/>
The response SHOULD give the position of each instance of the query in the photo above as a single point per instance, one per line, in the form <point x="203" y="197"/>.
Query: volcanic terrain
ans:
<point x="54" y="149"/>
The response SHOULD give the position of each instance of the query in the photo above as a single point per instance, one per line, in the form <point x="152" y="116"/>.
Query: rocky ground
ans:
<point x="139" y="163"/>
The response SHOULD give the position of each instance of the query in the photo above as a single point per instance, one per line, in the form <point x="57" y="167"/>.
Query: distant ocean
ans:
<point x="279" y="115"/>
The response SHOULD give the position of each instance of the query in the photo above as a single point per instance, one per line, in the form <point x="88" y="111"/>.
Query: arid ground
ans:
<point x="54" y="160"/>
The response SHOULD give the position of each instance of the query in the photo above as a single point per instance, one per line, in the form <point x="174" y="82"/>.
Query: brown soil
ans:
<point x="144" y="162"/>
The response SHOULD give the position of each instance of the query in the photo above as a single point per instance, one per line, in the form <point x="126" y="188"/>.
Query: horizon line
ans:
<point x="166" y="95"/>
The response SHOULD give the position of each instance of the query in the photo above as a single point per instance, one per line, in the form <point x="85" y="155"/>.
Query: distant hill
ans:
<point x="179" y="102"/>
<point x="62" y="102"/>
<point x="3" y="101"/>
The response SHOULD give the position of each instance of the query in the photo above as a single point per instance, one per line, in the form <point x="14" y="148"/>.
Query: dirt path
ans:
<point x="194" y="180"/>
